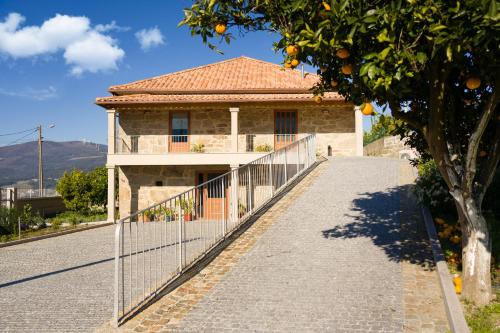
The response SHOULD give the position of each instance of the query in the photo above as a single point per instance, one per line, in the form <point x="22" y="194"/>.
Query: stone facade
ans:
<point x="146" y="132"/>
<point x="333" y="125"/>
<point x="138" y="187"/>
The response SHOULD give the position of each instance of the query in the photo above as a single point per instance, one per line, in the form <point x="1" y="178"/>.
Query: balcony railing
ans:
<point x="203" y="143"/>
<point x="156" y="245"/>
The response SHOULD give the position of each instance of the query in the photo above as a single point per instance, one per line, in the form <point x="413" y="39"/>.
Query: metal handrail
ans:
<point x="193" y="222"/>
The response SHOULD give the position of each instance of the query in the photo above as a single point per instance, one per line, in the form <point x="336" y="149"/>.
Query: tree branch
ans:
<point x="488" y="170"/>
<point x="475" y="139"/>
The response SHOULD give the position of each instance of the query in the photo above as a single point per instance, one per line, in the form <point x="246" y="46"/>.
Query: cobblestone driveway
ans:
<point x="61" y="284"/>
<point x="329" y="263"/>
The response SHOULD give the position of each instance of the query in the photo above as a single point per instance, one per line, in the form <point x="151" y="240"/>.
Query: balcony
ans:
<point x="195" y="149"/>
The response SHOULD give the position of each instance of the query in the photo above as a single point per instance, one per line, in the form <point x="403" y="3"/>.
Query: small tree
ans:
<point x="98" y="182"/>
<point x="74" y="188"/>
<point x="434" y="62"/>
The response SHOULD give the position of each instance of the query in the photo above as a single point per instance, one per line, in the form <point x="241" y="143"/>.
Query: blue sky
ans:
<point x="73" y="51"/>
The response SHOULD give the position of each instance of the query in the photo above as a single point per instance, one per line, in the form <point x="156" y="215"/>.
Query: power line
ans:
<point x="19" y="139"/>
<point x="20" y="132"/>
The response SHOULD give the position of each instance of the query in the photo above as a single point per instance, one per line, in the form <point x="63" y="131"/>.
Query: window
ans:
<point x="180" y="127"/>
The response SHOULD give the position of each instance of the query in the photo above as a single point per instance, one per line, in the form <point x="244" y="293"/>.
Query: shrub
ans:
<point x="8" y="221"/>
<point x="431" y="188"/>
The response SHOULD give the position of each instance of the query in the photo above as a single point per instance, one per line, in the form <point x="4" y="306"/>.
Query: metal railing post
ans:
<point x="224" y="218"/>
<point x="286" y="165"/>
<point x="250" y="190"/>
<point x="179" y="234"/>
<point x="298" y="158"/>
<point x="116" y="307"/>
<point x="271" y="175"/>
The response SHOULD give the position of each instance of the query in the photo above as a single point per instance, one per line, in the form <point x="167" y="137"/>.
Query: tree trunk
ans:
<point x="476" y="255"/>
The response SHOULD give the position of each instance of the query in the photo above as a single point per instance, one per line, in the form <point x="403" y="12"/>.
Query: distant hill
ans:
<point x="19" y="163"/>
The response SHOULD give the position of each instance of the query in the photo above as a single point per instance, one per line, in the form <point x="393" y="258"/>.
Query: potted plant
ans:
<point x="198" y="148"/>
<point x="264" y="148"/>
<point x="242" y="209"/>
<point x="187" y="208"/>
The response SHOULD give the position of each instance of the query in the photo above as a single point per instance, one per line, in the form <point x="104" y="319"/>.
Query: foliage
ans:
<point x="384" y="126"/>
<point x="80" y="190"/>
<point x="74" y="218"/>
<point x="198" y="148"/>
<point x="8" y="221"/>
<point x="483" y="319"/>
<point x="98" y="182"/>
<point x="430" y="188"/>
<point x="263" y="148"/>
<point x="417" y="57"/>
<point x="187" y="206"/>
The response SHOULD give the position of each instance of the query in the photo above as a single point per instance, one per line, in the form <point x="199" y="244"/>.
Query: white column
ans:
<point x="111" y="131"/>
<point x="359" y="130"/>
<point x="234" y="129"/>
<point x="111" y="193"/>
<point x="234" y="195"/>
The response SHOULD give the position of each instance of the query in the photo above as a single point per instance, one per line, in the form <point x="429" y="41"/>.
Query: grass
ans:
<point x="61" y="222"/>
<point x="485" y="319"/>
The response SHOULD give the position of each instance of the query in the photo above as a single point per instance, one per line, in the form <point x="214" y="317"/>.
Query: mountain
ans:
<point x="19" y="163"/>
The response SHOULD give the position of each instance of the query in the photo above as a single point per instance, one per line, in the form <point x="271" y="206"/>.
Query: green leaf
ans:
<point x="492" y="11"/>
<point x="449" y="53"/>
<point x="437" y="27"/>
<point x="421" y="57"/>
<point x="364" y="69"/>
<point x="382" y="36"/>
<point x="382" y="55"/>
<point x="370" y="55"/>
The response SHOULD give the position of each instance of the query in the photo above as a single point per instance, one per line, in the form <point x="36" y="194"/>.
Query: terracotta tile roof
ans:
<point x="240" y="74"/>
<point x="135" y="99"/>
<point x="237" y="80"/>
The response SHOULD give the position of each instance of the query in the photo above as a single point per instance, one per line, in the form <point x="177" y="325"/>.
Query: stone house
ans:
<point x="171" y="132"/>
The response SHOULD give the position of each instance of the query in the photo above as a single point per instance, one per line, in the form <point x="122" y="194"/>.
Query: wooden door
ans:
<point x="285" y="128"/>
<point x="214" y="197"/>
<point x="178" y="140"/>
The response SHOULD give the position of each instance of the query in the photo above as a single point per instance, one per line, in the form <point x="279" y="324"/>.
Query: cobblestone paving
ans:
<point x="61" y="284"/>
<point x="329" y="257"/>
<point x="330" y="262"/>
<point x="423" y="302"/>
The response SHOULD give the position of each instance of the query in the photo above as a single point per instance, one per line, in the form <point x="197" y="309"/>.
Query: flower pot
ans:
<point x="188" y="217"/>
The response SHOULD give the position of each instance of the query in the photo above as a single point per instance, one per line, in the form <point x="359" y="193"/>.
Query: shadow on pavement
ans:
<point x="391" y="219"/>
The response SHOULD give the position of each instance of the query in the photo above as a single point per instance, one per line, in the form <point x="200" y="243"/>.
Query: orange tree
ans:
<point x="434" y="62"/>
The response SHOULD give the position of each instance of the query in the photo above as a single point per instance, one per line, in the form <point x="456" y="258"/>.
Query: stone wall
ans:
<point x="334" y="126"/>
<point x="389" y="146"/>
<point x="138" y="189"/>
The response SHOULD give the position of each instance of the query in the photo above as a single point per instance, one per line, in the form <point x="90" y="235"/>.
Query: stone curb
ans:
<point x="452" y="304"/>
<point x="55" y="234"/>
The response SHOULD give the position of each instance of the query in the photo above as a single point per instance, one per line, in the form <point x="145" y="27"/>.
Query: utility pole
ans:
<point x="40" y="162"/>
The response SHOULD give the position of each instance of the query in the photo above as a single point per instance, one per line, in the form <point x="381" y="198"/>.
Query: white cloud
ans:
<point x="149" y="38"/>
<point x="30" y="93"/>
<point x="110" y="27"/>
<point x="85" y="48"/>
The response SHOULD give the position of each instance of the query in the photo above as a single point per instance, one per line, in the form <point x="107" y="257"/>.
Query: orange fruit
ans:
<point x="334" y="83"/>
<point x="220" y="28"/>
<point x="343" y="53"/>
<point x="473" y="83"/>
<point x="295" y="63"/>
<point x="347" y="69"/>
<point x="292" y="50"/>
<point x="482" y="153"/>
<point x="288" y="64"/>
<point x="367" y="109"/>
<point x="318" y="99"/>
<point x="327" y="6"/>
<point x="457" y="281"/>
<point x="455" y="239"/>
